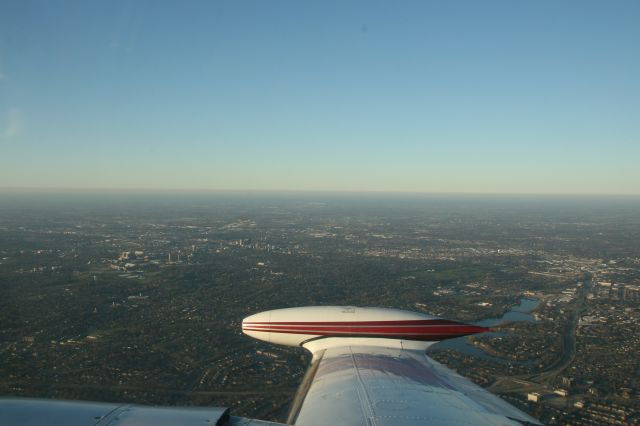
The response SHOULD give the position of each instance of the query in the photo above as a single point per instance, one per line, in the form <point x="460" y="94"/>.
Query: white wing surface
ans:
<point x="370" y="385"/>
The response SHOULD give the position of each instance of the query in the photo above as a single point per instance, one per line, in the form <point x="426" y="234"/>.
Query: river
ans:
<point x="519" y="313"/>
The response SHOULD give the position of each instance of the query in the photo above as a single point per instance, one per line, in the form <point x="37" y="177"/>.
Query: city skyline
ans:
<point x="491" y="98"/>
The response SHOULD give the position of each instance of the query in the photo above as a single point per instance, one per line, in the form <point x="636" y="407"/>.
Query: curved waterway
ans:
<point x="519" y="313"/>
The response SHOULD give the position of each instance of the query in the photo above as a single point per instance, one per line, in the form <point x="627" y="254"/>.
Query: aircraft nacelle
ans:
<point x="305" y="325"/>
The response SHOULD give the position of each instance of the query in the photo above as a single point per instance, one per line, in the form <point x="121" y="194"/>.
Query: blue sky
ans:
<point x="426" y="96"/>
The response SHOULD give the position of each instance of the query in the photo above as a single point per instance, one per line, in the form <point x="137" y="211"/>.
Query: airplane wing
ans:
<point x="369" y="368"/>
<point x="373" y="385"/>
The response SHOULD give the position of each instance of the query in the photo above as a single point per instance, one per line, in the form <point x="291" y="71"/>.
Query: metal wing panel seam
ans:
<point x="365" y="399"/>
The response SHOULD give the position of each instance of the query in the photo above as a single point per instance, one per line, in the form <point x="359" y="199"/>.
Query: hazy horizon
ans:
<point x="373" y="192"/>
<point x="309" y="192"/>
